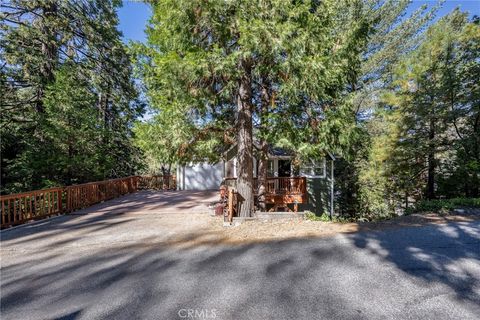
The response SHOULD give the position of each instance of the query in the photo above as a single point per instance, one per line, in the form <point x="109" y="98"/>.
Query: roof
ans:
<point x="276" y="151"/>
<point x="279" y="152"/>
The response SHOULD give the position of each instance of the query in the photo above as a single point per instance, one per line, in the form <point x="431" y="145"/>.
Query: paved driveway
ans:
<point x="116" y="261"/>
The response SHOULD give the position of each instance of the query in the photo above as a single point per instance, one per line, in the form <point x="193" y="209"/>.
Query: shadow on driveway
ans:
<point x="426" y="272"/>
<point x="114" y="214"/>
<point x="448" y="254"/>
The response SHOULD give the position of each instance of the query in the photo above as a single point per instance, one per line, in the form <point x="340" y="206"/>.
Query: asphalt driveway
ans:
<point x="116" y="261"/>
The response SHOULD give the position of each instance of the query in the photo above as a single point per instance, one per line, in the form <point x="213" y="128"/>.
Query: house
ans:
<point x="303" y="184"/>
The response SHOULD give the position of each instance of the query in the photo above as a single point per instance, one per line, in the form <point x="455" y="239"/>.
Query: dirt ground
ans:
<point x="259" y="231"/>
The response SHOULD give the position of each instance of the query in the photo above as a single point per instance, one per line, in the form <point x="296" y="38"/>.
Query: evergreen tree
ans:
<point x="64" y="69"/>
<point x="361" y="187"/>
<point x="230" y="65"/>
<point x="435" y="108"/>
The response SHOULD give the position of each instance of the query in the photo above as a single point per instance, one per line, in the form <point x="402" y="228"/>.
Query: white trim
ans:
<point x="224" y="168"/>
<point x="331" y="156"/>
<point x="235" y="167"/>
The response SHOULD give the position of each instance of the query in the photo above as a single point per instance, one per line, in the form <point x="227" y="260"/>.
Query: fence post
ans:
<point x="230" y="205"/>
<point x="68" y="200"/>
<point x="59" y="201"/>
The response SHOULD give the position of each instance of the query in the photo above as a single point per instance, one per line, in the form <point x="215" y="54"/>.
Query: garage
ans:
<point x="200" y="176"/>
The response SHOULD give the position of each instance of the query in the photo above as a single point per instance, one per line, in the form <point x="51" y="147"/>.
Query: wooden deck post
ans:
<point x="230" y="205"/>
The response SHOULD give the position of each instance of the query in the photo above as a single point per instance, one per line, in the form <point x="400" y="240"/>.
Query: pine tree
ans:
<point x="361" y="185"/>
<point x="50" y="52"/>
<point x="218" y="61"/>
<point x="436" y="104"/>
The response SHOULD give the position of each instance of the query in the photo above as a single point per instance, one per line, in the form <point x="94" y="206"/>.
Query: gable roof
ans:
<point x="273" y="151"/>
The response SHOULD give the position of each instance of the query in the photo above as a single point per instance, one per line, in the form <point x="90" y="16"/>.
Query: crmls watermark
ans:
<point x="197" y="313"/>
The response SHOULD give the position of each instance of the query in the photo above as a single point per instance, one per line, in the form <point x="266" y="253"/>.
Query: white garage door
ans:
<point x="201" y="176"/>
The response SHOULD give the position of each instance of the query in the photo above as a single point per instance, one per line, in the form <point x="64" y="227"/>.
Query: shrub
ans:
<point x="324" y="217"/>
<point x="443" y="205"/>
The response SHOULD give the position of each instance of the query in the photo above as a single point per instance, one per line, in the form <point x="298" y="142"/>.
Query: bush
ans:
<point x="444" y="205"/>
<point x="324" y="217"/>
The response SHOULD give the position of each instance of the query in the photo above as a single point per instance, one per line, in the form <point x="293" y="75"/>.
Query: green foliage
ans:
<point x="301" y="56"/>
<point x="68" y="99"/>
<point x="444" y="205"/>
<point x="362" y="181"/>
<point x="396" y="101"/>
<point x="422" y="127"/>
<point x="325" y="217"/>
<point x="436" y="108"/>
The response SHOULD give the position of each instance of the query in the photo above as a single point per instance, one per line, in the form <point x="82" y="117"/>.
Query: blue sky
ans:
<point x="133" y="18"/>
<point x="134" y="14"/>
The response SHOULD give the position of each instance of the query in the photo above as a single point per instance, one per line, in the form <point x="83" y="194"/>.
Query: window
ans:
<point x="314" y="168"/>
<point x="270" y="168"/>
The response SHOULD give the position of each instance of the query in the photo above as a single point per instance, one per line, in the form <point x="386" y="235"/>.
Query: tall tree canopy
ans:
<point x="360" y="180"/>
<point x="232" y="65"/>
<point x="436" y="106"/>
<point x="422" y="135"/>
<point x="68" y="100"/>
<point x="396" y="97"/>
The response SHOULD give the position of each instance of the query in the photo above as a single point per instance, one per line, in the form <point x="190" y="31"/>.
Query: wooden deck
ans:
<point x="280" y="191"/>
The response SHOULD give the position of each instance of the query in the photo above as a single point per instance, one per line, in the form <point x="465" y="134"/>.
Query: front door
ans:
<point x="284" y="168"/>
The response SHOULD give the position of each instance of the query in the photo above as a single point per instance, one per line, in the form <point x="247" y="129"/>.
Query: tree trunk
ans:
<point x="263" y="158"/>
<point x="245" y="142"/>
<point x="430" y="194"/>
<point x="262" y="175"/>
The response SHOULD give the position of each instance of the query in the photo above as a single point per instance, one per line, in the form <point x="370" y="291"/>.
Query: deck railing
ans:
<point x="277" y="185"/>
<point x="284" y="185"/>
<point x="280" y="193"/>
<point x="22" y="207"/>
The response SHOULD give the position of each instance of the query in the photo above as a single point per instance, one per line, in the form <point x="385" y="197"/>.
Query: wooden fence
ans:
<point x="22" y="207"/>
<point x="157" y="182"/>
<point x="84" y="195"/>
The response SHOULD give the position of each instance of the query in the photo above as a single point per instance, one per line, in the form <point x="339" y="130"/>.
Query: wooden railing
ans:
<point x="284" y="185"/>
<point x="167" y="182"/>
<point x="22" y="207"/>
<point x="277" y="185"/>
<point x="84" y="195"/>
<point x="280" y="192"/>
